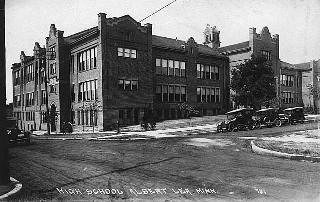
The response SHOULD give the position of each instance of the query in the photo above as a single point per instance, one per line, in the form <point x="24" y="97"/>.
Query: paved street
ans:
<point x="203" y="167"/>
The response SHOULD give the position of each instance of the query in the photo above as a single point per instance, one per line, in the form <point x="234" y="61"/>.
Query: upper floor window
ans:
<point x="266" y="55"/>
<point x="88" y="90"/>
<point x="29" y="99"/>
<point x="72" y="64"/>
<point x="44" y="98"/>
<point x="52" y="53"/>
<point x="16" y="79"/>
<point x="207" y="72"/>
<point x="170" y="67"/>
<point x="52" y="68"/>
<point x="287" y="97"/>
<point x="128" y="84"/>
<point x="287" y="80"/>
<point x="87" y="59"/>
<point x="17" y="100"/>
<point x="29" y="73"/>
<point x="127" y="53"/>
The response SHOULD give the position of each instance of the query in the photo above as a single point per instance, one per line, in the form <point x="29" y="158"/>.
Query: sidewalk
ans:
<point x="163" y="129"/>
<point x="7" y="190"/>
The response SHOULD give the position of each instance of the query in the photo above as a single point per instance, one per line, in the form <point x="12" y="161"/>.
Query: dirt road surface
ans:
<point x="207" y="167"/>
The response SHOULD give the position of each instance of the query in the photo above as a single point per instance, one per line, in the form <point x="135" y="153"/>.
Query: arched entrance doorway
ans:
<point x="53" y="117"/>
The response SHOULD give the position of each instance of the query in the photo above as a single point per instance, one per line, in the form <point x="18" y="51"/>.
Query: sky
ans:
<point x="296" y="21"/>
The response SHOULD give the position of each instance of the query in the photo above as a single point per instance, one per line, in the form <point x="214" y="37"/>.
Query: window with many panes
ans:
<point x="266" y="55"/>
<point x="87" y="59"/>
<point x="287" y="80"/>
<point x="88" y="90"/>
<point x="171" y="93"/>
<point x="208" y="94"/>
<point x="207" y="72"/>
<point x="127" y="53"/>
<point x="16" y="75"/>
<point x="128" y="84"/>
<point x="170" y="67"/>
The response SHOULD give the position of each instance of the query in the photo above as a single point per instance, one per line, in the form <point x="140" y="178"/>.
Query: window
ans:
<point x="170" y="93"/>
<point x="266" y="55"/>
<point x="53" y="88"/>
<point x="88" y="90"/>
<point x="176" y="68"/>
<point x="87" y="59"/>
<point x="287" y="97"/>
<point x="207" y="72"/>
<point x="53" y="68"/>
<point x="208" y="94"/>
<point x="17" y="100"/>
<point x="183" y="69"/>
<point x="128" y="84"/>
<point x="177" y="92"/>
<point x="158" y="93"/>
<point x="170" y="65"/>
<point x="158" y="66"/>
<point x="16" y="75"/>
<point x="52" y="52"/>
<point x="29" y="73"/>
<point x="165" y="93"/>
<point x="164" y="67"/>
<point x="126" y="52"/>
<point x="287" y="80"/>
<point x="44" y="98"/>
<point x="29" y="99"/>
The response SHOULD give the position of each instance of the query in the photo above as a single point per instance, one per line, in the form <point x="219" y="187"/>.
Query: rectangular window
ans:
<point x="216" y="72"/>
<point x="88" y="59"/>
<point x="266" y="55"/>
<point x="165" y="93"/>
<point x="44" y="99"/>
<point x="207" y="70"/>
<point x="202" y="72"/>
<point x="217" y="94"/>
<point x="127" y="85"/>
<point x="183" y="94"/>
<point x="177" y="93"/>
<point x="208" y="94"/>
<point x="176" y="68"/>
<point x="80" y="93"/>
<point x="183" y="69"/>
<point x="171" y="69"/>
<point x="134" y="84"/>
<point x="158" y="93"/>
<point x="121" y="84"/>
<point x="213" y="95"/>
<point x="133" y="53"/>
<point x="203" y="94"/>
<point x="171" y="93"/>
<point x="120" y="52"/>
<point x="198" y="94"/>
<point x="164" y="67"/>
<point x="158" y="66"/>
<point x="198" y="71"/>
<point x="127" y="52"/>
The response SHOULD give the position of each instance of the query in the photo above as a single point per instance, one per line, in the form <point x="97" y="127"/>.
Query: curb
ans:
<point x="16" y="188"/>
<point x="268" y="152"/>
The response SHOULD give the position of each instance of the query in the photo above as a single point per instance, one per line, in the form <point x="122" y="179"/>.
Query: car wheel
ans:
<point x="231" y="127"/>
<point x="257" y="125"/>
<point x="277" y="122"/>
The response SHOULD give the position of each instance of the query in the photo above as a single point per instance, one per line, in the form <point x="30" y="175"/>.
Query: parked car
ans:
<point x="294" y="115"/>
<point x="268" y="117"/>
<point x="237" y="119"/>
<point x="18" y="136"/>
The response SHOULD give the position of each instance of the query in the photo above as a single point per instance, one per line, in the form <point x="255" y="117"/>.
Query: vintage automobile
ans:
<point x="269" y="117"/>
<point x="15" y="135"/>
<point x="237" y="119"/>
<point x="294" y="115"/>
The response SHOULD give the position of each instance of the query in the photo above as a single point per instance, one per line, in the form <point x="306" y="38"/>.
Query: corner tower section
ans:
<point x="127" y="73"/>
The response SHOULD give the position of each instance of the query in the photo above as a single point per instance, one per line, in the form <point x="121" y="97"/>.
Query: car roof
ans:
<point x="266" y="109"/>
<point x="293" y="108"/>
<point x="238" y="110"/>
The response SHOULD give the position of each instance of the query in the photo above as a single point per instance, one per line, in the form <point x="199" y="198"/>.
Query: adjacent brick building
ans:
<point x="287" y="76"/>
<point x="114" y="72"/>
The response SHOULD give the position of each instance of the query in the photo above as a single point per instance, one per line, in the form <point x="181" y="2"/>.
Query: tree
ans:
<point x="253" y="82"/>
<point x="188" y="110"/>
